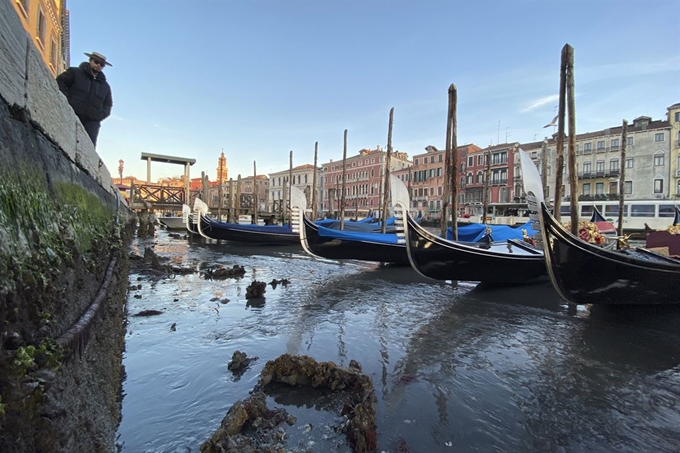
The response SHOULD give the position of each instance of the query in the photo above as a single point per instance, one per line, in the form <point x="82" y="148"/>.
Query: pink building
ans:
<point x="427" y="179"/>
<point x="364" y="180"/>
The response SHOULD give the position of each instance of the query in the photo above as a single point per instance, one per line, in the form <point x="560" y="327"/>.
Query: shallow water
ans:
<point x="455" y="369"/>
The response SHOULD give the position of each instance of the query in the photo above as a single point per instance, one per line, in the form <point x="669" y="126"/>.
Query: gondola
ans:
<point x="667" y="240"/>
<point x="287" y="234"/>
<point x="505" y="262"/>
<point x="381" y="247"/>
<point x="583" y="273"/>
<point x="192" y="216"/>
<point x="251" y="234"/>
<point x="333" y="244"/>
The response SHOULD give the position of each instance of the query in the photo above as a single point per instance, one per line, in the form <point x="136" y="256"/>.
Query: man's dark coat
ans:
<point x="90" y="97"/>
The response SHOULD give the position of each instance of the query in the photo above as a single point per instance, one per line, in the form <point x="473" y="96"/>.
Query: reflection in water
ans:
<point x="455" y="368"/>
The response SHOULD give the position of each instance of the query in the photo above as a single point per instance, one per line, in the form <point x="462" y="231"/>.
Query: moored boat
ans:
<point x="287" y="234"/>
<point x="388" y="247"/>
<point x="506" y="262"/>
<point x="584" y="273"/>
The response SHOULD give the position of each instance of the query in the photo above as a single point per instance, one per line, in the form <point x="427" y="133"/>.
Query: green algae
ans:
<point x="43" y="227"/>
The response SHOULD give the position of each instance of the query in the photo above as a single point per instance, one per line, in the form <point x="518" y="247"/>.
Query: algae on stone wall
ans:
<point x="43" y="226"/>
<point x="55" y="243"/>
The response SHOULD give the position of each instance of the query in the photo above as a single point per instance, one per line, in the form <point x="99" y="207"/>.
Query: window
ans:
<point x="658" y="160"/>
<point x="642" y="210"/>
<point x="629" y="162"/>
<point x="666" y="210"/>
<point x="629" y="141"/>
<point x="41" y="28"/>
<point x="480" y="160"/>
<point x="628" y="187"/>
<point x="416" y="162"/>
<point x="586" y="188"/>
<point x="613" y="210"/>
<point x="614" y="143"/>
<point x="587" y="148"/>
<point x="599" y="188"/>
<point x="480" y="177"/>
<point x="658" y="186"/>
<point x="471" y="161"/>
<point x="613" y="187"/>
<point x="24" y="7"/>
<point x="677" y="117"/>
<point x="440" y="157"/>
<point x="462" y="167"/>
<point x="658" y="137"/>
<point x="677" y="189"/>
<point x="614" y="165"/>
<point x="600" y="146"/>
<point x="431" y="159"/>
<point x="586" y="168"/>
<point x="599" y="167"/>
<point x="439" y="190"/>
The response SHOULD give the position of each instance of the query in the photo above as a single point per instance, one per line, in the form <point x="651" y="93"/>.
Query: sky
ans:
<point x="259" y="79"/>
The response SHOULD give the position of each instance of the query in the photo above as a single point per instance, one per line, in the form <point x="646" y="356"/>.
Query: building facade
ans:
<point x="47" y="24"/>
<point x="364" y="180"/>
<point x="648" y="162"/>
<point x="303" y="179"/>
<point x="427" y="179"/>
<point x="674" y="121"/>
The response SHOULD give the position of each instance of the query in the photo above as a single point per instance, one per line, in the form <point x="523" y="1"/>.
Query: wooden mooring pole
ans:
<point x="315" y="211"/>
<point x="571" y="150"/>
<point x="344" y="172"/>
<point x="386" y="190"/>
<point x="622" y="176"/>
<point x="453" y="173"/>
<point x="255" y="197"/>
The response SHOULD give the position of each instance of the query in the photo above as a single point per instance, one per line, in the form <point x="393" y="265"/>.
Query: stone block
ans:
<point x="48" y="106"/>
<point x="13" y="44"/>
<point x="86" y="157"/>
<point x="104" y="178"/>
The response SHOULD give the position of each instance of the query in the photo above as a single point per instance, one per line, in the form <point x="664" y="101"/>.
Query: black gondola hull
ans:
<point x="584" y="273"/>
<point x="339" y="249"/>
<point x="236" y="233"/>
<point x="441" y="259"/>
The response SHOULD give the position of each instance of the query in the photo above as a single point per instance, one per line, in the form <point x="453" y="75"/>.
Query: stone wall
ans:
<point x="64" y="231"/>
<point x="26" y="83"/>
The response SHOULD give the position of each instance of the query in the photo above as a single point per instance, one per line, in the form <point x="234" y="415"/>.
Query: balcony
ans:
<point x="499" y="182"/>
<point x="599" y="197"/>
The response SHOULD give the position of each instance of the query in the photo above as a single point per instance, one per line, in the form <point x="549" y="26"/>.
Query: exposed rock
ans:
<point x="256" y="289"/>
<point x="222" y="272"/>
<point x="249" y="426"/>
<point x="240" y="362"/>
<point x="284" y="282"/>
<point x="148" y="313"/>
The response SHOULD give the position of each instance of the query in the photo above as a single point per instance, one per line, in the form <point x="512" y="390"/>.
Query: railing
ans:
<point x="599" y="197"/>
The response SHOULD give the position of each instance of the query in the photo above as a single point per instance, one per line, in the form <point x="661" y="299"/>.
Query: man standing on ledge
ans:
<point x="88" y="92"/>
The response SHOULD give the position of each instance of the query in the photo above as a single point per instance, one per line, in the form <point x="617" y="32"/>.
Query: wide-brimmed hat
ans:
<point x="98" y="56"/>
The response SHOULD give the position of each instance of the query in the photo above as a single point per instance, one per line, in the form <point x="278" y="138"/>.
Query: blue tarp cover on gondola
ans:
<point x="476" y="231"/>
<point x="357" y="236"/>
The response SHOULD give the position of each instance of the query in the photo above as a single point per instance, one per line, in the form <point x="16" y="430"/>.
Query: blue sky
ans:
<point x="258" y="79"/>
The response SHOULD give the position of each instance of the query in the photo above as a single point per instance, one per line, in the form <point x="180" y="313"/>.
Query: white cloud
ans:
<point x="540" y="103"/>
